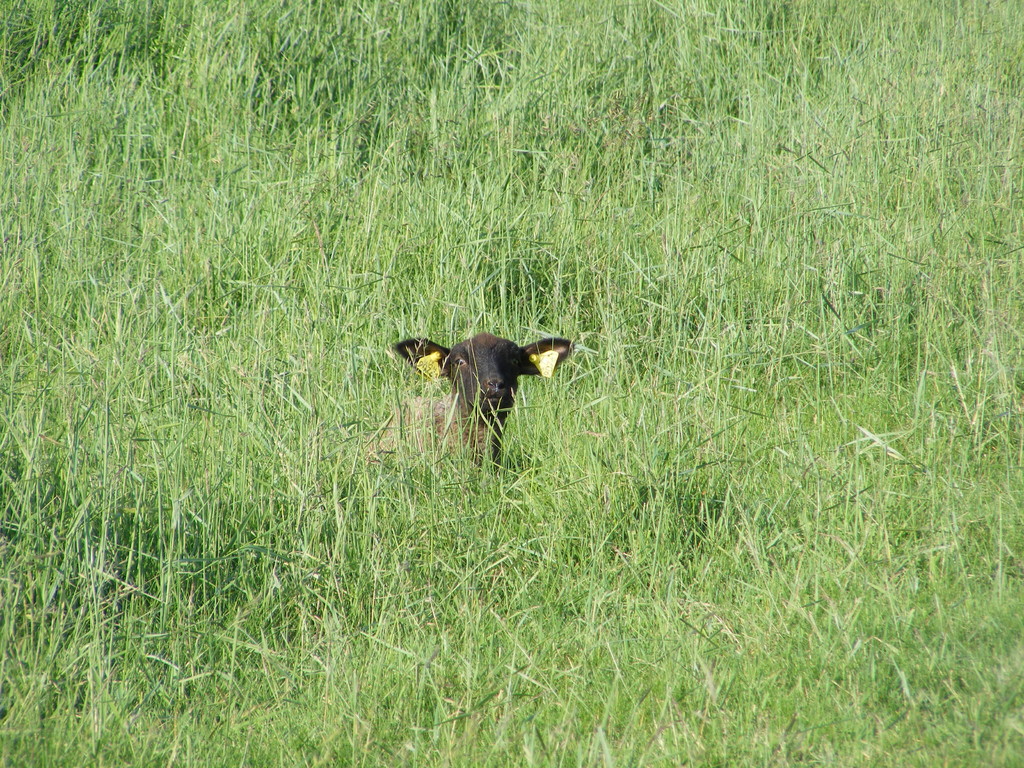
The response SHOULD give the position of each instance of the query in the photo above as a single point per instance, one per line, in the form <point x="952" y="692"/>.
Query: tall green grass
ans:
<point x="768" y="514"/>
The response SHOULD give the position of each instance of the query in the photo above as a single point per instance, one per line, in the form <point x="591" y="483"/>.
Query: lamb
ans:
<point x="484" y="372"/>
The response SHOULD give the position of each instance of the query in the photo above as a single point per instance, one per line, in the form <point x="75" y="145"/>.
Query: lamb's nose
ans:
<point x="494" y="387"/>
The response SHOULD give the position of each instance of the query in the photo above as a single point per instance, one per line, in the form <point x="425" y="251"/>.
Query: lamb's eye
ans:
<point x="462" y="362"/>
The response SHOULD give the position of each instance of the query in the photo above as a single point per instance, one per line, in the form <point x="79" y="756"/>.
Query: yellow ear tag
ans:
<point x="545" y="362"/>
<point x="429" y="366"/>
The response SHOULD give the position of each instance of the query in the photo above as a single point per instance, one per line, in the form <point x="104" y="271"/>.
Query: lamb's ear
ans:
<point x="429" y="359"/>
<point x="542" y="357"/>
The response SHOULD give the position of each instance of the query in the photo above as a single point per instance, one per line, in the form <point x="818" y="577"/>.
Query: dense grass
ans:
<point x="768" y="514"/>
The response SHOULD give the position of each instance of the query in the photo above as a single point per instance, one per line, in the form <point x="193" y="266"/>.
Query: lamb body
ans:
<point x="484" y="372"/>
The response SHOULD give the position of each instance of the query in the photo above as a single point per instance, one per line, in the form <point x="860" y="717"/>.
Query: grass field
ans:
<point x="768" y="514"/>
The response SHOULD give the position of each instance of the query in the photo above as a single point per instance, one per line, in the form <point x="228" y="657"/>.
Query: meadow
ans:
<point x="767" y="514"/>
